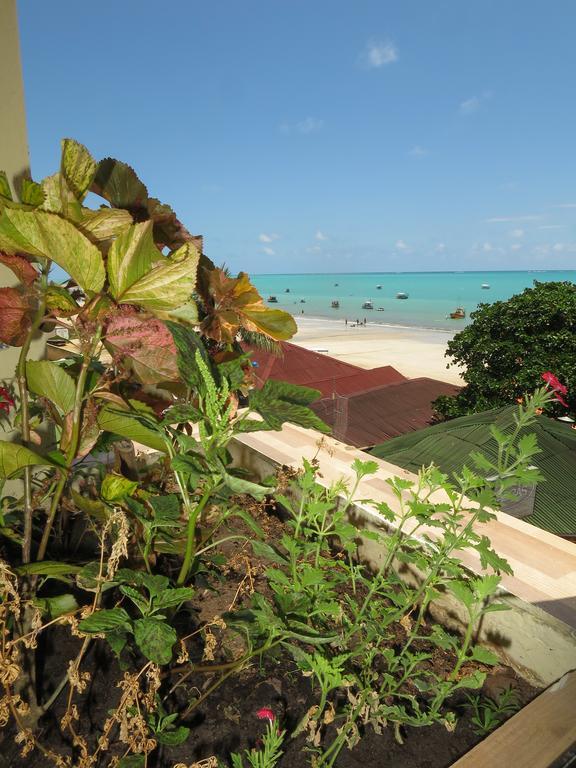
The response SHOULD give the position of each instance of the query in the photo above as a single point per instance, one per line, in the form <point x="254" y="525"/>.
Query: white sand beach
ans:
<point x="412" y="351"/>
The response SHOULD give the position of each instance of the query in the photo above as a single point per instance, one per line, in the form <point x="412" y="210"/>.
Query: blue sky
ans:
<point x="323" y="135"/>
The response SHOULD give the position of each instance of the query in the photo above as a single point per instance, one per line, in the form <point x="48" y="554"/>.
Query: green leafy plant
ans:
<point x="155" y="358"/>
<point x="488" y="713"/>
<point x="265" y="756"/>
<point x="364" y="636"/>
<point x="509" y="344"/>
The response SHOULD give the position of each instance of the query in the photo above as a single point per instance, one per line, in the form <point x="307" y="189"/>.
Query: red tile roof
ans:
<point x="368" y="418"/>
<point x="319" y="371"/>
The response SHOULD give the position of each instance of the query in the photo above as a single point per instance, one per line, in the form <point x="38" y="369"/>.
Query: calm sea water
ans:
<point x="432" y="295"/>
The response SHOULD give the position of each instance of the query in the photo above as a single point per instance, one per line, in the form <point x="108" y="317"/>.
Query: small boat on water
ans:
<point x="458" y="314"/>
<point x="401" y="295"/>
<point x="368" y="305"/>
<point x="302" y="301"/>
<point x="378" y="287"/>
<point x="335" y="305"/>
<point x="336" y="285"/>
<point x="485" y="286"/>
<point x="272" y="300"/>
<point x="287" y="290"/>
<point x="380" y="309"/>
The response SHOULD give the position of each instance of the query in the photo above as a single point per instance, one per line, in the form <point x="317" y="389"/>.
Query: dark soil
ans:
<point x="226" y="721"/>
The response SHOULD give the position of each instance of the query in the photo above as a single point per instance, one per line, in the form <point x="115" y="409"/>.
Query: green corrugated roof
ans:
<point x="449" y="445"/>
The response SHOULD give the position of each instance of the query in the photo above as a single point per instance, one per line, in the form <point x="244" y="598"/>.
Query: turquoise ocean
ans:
<point x="431" y="295"/>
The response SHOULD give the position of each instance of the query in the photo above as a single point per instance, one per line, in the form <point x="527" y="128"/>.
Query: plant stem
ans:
<point x="193" y="515"/>
<point x="25" y="412"/>
<point x="74" y="440"/>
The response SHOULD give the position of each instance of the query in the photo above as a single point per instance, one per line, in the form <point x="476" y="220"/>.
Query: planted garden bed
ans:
<point x="153" y="613"/>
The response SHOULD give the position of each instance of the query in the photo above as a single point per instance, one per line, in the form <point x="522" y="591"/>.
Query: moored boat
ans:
<point x="335" y="305"/>
<point x="485" y="286"/>
<point x="401" y="295"/>
<point x="368" y="305"/>
<point x="272" y="300"/>
<point x="458" y="314"/>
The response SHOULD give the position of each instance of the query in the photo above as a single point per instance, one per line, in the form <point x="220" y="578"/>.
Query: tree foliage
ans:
<point x="510" y="344"/>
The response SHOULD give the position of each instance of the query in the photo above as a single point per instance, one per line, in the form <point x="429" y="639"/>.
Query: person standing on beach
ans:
<point x="345" y="321"/>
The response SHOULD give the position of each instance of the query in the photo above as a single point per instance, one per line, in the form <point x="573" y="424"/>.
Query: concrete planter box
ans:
<point x="537" y="636"/>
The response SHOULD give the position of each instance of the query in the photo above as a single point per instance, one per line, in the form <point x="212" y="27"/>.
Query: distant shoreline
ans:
<point x="375" y="324"/>
<point x="415" y="352"/>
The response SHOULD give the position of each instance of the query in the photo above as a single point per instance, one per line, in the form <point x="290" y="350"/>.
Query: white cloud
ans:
<point x="378" y="54"/>
<point x="565" y="205"/>
<point x="511" y="219"/>
<point x="303" y="127"/>
<point x="314" y="249"/>
<point x="552" y="226"/>
<point x="268" y="238"/>
<point x="559" y="247"/>
<point x="320" y="236"/>
<point x="517" y="233"/>
<point x="515" y="246"/>
<point x="473" y="104"/>
<point x="418" y="151"/>
<point x="440" y="247"/>
<point x="487" y="247"/>
<point x="268" y="251"/>
<point x="401" y="246"/>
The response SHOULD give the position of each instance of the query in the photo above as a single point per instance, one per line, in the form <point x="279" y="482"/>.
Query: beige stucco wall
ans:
<point x="14" y="156"/>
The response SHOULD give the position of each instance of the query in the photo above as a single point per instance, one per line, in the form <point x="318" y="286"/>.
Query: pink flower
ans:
<point x="6" y="400"/>
<point x="264" y="713"/>
<point x="556" y="386"/>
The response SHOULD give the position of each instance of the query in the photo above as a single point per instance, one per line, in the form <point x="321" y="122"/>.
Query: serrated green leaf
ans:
<point x="129" y="426"/>
<point x="484" y="656"/>
<point x="31" y="193"/>
<point x="50" y="380"/>
<point x="171" y="598"/>
<point x="462" y="592"/>
<point x="46" y="236"/>
<point x="182" y="414"/>
<point x="59" y="302"/>
<point x="5" y="190"/>
<point x="166" y="508"/>
<point x="92" y="507"/>
<point x="239" y="485"/>
<point x="173" y="737"/>
<point x="115" y="487"/>
<point x="104" y="224"/>
<point x="168" y="285"/>
<point x="139" y="601"/>
<point x="187" y="341"/>
<point x="78" y="167"/>
<point x="118" y="183"/>
<point x="105" y="621"/>
<point x="155" y="639"/>
<point x="278" y="402"/>
<point x="58" y="605"/>
<point x="14" y="457"/>
<point x="130" y="257"/>
<point x="474" y="680"/>
<point x="88" y="578"/>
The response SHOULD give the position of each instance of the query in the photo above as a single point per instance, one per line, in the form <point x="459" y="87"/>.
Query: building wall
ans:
<point x="14" y="156"/>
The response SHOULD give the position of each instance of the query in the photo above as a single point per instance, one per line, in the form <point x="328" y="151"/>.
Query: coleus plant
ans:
<point x="132" y="267"/>
<point x="152" y="323"/>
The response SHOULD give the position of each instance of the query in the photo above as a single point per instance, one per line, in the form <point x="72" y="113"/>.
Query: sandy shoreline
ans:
<point x="412" y="351"/>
